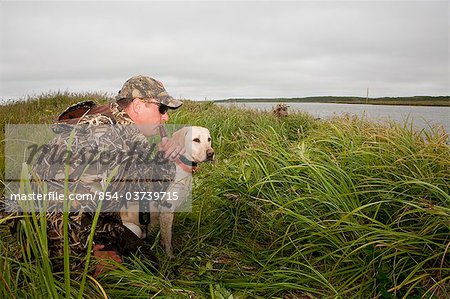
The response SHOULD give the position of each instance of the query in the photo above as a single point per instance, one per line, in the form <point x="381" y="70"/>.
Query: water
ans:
<point x="422" y="117"/>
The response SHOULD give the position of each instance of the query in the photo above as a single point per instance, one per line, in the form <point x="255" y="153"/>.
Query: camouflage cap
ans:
<point x="146" y="87"/>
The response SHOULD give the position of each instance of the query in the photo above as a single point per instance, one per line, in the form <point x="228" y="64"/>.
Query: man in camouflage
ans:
<point x="124" y="162"/>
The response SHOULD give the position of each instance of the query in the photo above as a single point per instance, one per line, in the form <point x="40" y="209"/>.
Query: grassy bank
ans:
<point x="292" y="208"/>
<point x="400" y="101"/>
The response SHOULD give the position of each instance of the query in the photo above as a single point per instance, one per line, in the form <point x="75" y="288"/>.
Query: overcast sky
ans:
<point x="213" y="50"/>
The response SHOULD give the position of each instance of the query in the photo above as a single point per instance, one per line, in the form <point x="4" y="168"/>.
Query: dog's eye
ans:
<point x="209" y="139"/>
<point x="197" y="140"/>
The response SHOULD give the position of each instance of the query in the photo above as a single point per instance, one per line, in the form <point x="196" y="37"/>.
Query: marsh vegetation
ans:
<point x="291" y="208"/>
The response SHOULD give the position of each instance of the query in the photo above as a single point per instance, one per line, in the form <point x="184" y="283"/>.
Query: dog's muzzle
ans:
<point x="210" y="154"/>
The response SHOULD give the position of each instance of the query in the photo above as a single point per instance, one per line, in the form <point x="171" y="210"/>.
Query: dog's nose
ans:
<point x="210" y="154"/>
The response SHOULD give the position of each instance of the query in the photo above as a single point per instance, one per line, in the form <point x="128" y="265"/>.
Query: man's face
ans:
<point x="148" y="117"/>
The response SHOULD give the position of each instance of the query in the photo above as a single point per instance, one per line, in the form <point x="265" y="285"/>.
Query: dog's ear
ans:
<point x="180" y="135"/>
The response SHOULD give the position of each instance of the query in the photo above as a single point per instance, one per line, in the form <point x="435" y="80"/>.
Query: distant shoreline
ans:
<point x="432" y="101"/>
<point x="402" y="101"/>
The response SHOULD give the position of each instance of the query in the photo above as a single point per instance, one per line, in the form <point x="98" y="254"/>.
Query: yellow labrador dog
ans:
<point x="197" y="143"/>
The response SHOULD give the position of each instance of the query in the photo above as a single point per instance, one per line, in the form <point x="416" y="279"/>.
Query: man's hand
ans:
<point x="104" y="254"/>
<point x="172" y="149"/>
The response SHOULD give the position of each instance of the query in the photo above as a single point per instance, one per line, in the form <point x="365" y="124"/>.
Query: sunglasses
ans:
<point x="162" y="108"/>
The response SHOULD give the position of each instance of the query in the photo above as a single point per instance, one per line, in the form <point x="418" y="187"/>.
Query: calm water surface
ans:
<point x="421" y="117"/>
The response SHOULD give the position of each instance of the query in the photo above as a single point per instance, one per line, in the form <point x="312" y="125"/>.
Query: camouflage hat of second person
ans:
<point x="146" y="87"/>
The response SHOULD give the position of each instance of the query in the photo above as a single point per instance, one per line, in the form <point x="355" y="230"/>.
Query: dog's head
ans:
<point x="197" y="142"/>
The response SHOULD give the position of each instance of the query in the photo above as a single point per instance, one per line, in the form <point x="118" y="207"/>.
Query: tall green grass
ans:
<point x="291" y="208"/>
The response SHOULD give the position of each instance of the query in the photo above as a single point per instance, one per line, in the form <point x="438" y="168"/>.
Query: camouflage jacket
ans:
<point x="102" y="152"/>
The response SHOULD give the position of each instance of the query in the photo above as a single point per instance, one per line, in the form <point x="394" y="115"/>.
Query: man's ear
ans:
<point x="132" y="108"/>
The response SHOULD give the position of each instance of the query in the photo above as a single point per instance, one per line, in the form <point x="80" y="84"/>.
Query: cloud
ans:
<point x="220" y="50"/>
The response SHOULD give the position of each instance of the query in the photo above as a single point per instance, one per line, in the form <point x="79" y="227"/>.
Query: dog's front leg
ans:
<point x="166" y="220"/>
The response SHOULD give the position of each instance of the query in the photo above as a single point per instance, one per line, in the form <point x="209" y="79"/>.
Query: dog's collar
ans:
<point x="186" y="164"/>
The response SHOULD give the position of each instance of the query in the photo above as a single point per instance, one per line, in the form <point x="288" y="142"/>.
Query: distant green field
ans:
<point x="408" y="101"/>
<point x="293" y="207"/>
